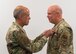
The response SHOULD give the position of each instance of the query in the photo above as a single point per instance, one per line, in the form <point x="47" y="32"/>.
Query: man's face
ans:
<point x="52" y="15"/>
<point x="26" y="18"/>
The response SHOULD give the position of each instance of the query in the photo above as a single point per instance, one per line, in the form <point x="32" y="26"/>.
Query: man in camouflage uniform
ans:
<point x="17" y="39"/>
<point x="61" y="42"/>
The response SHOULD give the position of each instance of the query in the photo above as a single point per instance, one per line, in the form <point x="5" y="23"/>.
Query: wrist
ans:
<point x="44" y="37"/>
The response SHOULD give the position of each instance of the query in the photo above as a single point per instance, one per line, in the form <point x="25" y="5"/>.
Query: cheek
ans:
<point x="55" y="15"/>
<point x="24" y="20"/>
<point x="27" y="19"/>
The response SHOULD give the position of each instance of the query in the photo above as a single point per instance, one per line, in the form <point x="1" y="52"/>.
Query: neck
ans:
<point x="19" y="22"/>
<point x="58" y="21"/>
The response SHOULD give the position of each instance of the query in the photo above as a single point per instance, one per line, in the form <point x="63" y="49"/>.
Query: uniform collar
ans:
<point x="57" y="26"/>
<point x="15" y="23"/>
<point x="59" y="23"/>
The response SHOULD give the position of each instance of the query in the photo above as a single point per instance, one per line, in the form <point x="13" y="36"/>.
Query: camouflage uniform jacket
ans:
<point x="62" y="40"/>
<point x="19" y="43"/>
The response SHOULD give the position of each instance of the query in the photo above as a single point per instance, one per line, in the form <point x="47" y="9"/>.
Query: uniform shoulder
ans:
<point x="13" y="28"/>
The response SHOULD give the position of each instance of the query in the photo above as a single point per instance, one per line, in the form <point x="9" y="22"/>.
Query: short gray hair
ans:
<point x="17" y="12"/>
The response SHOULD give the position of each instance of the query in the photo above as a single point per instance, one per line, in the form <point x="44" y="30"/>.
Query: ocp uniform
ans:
<point x="19" y="43"/>
<point x="61" y="41"/>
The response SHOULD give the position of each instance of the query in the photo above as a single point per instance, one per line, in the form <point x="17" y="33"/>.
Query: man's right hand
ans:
<point x="48" y="33"/>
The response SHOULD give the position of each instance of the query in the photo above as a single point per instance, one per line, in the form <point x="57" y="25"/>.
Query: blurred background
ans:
<point x="38" y="22"/>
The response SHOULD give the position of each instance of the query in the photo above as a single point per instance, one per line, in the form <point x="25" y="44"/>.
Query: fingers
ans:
<point x="49" y="32"/>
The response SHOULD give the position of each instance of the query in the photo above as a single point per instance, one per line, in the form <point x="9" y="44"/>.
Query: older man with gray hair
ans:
<point x="16" y="37"/>
<point x="61" y="41"/>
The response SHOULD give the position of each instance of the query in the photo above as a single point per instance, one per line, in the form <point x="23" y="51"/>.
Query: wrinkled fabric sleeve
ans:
<point x="33" y="46"/>
<point x="38" y="43"/>
<point x="65" y="41"/>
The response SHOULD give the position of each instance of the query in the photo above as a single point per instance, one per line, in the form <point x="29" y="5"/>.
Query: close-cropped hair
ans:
<point x="17" y="12"/>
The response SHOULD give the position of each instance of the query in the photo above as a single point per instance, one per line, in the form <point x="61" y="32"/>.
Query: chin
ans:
<point x="26" y="24"/>
<point x="51" y="22"/>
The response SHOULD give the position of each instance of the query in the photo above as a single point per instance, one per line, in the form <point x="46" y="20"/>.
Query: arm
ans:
<point x="65" y="40"/>
<point x="38" y="43"/>
<point x="25" y="43"/>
